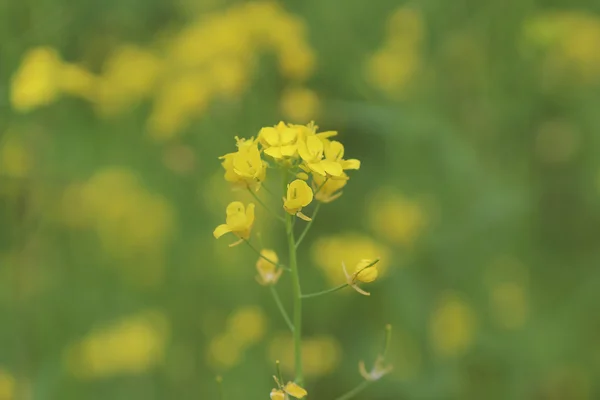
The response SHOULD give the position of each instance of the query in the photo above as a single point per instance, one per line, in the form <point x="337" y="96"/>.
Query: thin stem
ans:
<point x="388" y="338"/>
<point x="279" y="217"/>
<point x="219" y="380"/>
<point x="281" y="308"/>
<point x="359" y="388"/>
<point x="308" y="225"/>
<point x="297" y="292"/>
<point x="279" y="376"/>
<point x="265" y="258"/>
<point x="321" y="293"/>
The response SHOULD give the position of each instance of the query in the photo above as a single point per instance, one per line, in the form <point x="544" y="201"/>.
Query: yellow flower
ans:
<point x="35" y="83"/>
<point x="239" y="221"/>
<point x="365" y="271"/>
<point x="268" y="273"/>
<point x="334" y="151"/>
<point x="312" y="151"/>
<point x="279" y="141"/>
<point x="299" y="195"/>
<point x="327" y="190"/>
<point x="299" y="103"/>
<point x="291" y="389"/>
<point x="245" y="167"/>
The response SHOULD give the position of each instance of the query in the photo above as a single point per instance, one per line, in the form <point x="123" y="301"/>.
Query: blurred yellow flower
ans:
<point x="247" y="324"/>
<point x="35" y="83"/>
<point x="299" y="104"/>
<point x="299" y="195"/>
<point x="239" y="221"/>
<point x="129" y="75"/>
<point x="130" y="346"/>
<point x="320" y="354"/>
<point x="278" y="141"/>
<point x="452" y="326"/>
<point x="568" y="41"/>
<point x="245" y="327"/>
<point x="329" y="252"/>
<point x="397" y="218"/>
<point x="392" y="68"/>
<point x="77" y="81"/>
<point x="268" y="272"/>
<point x="7" y="385"/>
<point x="507" y="281"/>
<point x="15" y="159"/>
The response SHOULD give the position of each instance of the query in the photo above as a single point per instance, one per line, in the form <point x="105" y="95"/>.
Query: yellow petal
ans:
<point x="351" y="164"/>
<point x="221" y="230"/>
<point x="303" y="216"/>
<point x="269" y="136"/>
<point x="302" y="175"/>
<point x="277" y="395"/>
<point x="288" y="150"/>
<point x="294" y="390"/>
<point x="274" y="152"/>
<point x="332" y="168"/>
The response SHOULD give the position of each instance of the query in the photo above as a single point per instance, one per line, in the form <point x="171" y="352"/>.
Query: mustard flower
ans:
<point x="279" y="141"/>
<point x="245" y="167"/>
<point x="239" y="221"/>
<point x="290" y="388"/>
<point x="311" y="150"/>
<point x="326" y="189"/>
<point x="268" y="273"/>
<point x="299" y="195"/>
<point x="365" y="271"/>
<point x="334" y="151"/>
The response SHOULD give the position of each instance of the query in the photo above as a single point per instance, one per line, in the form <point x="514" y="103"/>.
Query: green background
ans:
<point x="494" y="137"/>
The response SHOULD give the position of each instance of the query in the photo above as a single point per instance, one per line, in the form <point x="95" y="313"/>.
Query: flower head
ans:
<point x="334" y="151"/>
<point x="279" y="141"/>
<point x="299" y="195"/>
<point x="311" y="150"/>
<point x="239" y="221"/>
<point x="290" y="388"/>
<point x="365" y="271"/>
<point x="326" y="189"/>
<point x="245" y="167"/>
<point x="268" y="272"/>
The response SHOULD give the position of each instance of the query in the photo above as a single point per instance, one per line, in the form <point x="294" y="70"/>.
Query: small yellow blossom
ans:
<point x="35" y="83"/>
<point x="312" y="151"/>
<point x="334" y="152"/>
<point x="239" y="221"/>
<point x="365" y="271"/>
<point x="245" y="167"/>
<point x="290" y="388"/>
<point x="279" y="141"/>
<point x="327" y="190"/>
<point x="268" y="272"/>
<point x="452" y="326"/>
<point x="299" y="103"/>
<point x="299" y="195"/>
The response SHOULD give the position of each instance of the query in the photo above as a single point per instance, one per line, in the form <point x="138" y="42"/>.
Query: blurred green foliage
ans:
<point x="477" y="125"/>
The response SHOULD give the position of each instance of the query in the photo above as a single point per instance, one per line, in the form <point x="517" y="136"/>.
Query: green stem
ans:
<point x="297" y="293"/>
<point x="359" y="388"/>
<point x="317" y="294"/>
<point x="307" y="227"/>
<point x="265" y="258"/>
<point x="221" y="390"/>
<point x="259" y="201"/>
<point x="281" y="308"/>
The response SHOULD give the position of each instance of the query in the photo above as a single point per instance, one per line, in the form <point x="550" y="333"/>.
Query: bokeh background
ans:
<point x="478" y="127"/>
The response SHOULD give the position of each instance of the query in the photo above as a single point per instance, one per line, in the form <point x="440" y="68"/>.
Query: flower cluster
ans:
<point x="313" y="169"/>
<point x="316" y="161"/>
